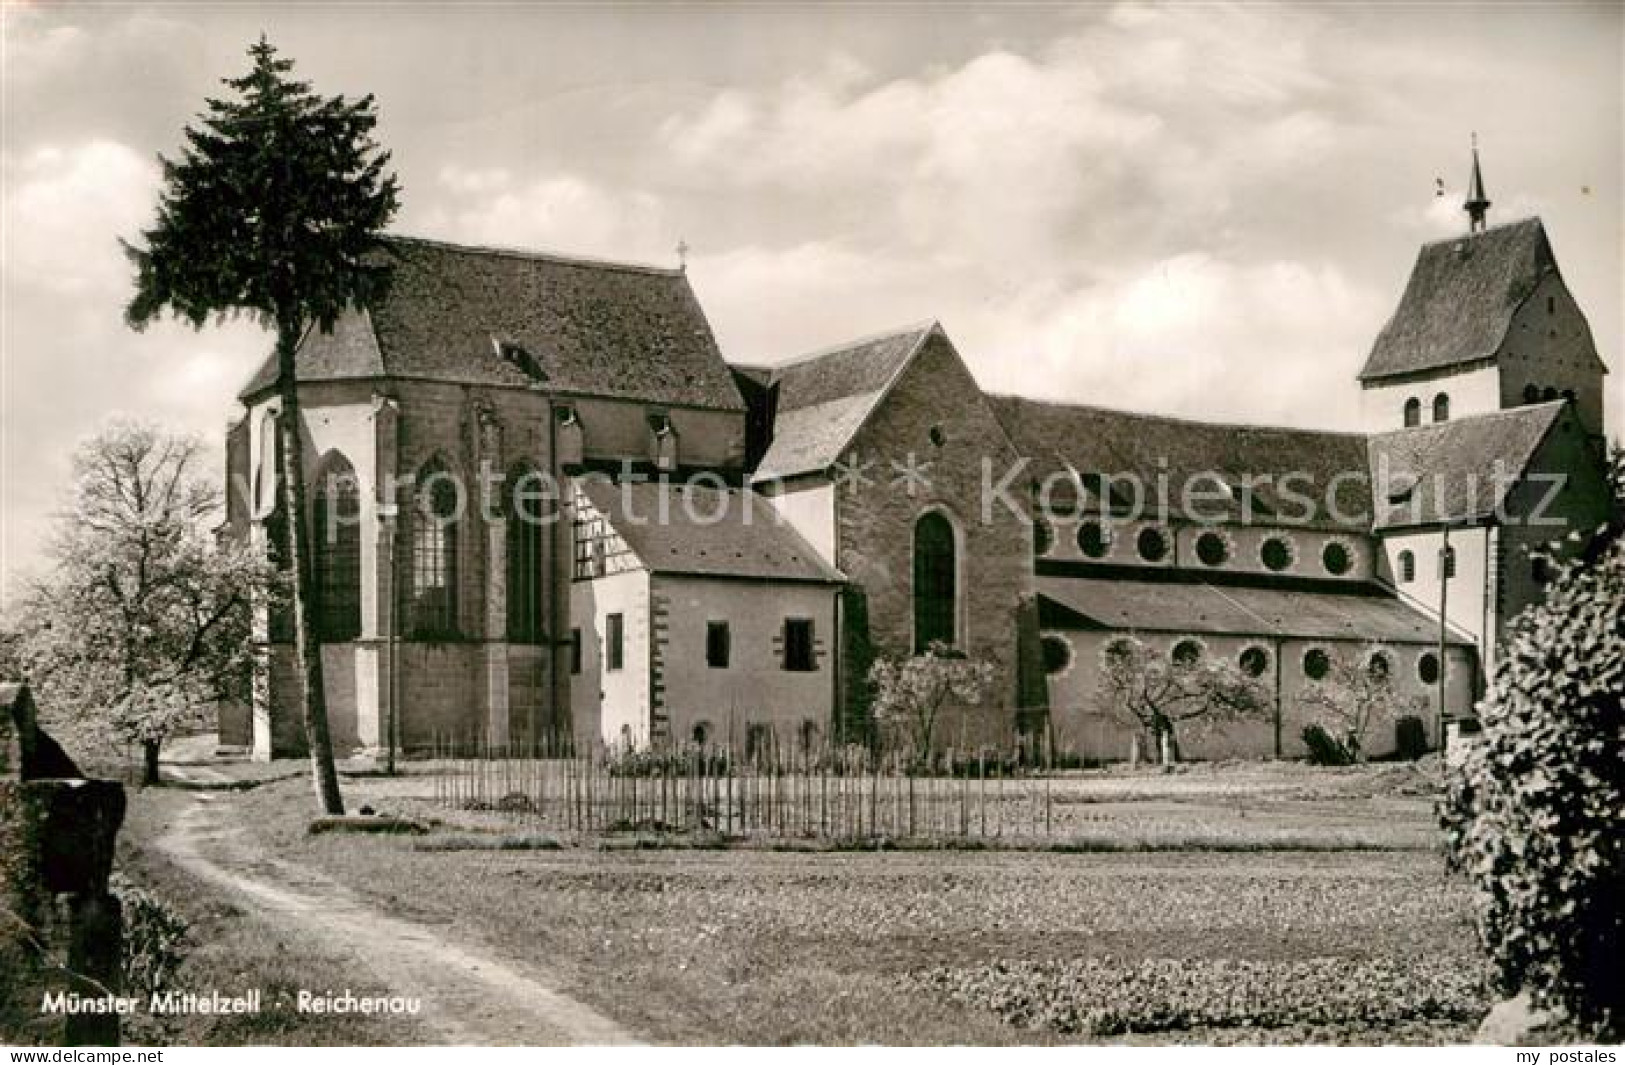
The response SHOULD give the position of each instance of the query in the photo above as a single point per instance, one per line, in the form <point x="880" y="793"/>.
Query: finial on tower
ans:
<point x="1478" y="204"/>
<point x="682" y="254"/>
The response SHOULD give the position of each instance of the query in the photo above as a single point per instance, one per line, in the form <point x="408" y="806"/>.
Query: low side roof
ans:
<point x="1457" y="471"/>
<point x="826" y="397"/>
<point x="1058" y="437"/>
<point x="571" y="325"/>
<point x="1460" y="299"/>
<point x="1146" y="606"/>
<point x="707" y="532"/>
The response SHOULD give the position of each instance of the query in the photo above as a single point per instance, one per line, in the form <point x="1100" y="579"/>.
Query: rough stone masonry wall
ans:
<point x="876" y="534"/>
<point x="60" y="928"/>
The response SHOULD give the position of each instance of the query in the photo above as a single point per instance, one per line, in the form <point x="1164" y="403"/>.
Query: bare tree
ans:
<point x="143" y="620"/>
<point x="1356" y="694"/>
<point x="1162" y="693"/>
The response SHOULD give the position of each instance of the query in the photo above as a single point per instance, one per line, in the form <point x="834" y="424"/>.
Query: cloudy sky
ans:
<point x="1198" y="210"/>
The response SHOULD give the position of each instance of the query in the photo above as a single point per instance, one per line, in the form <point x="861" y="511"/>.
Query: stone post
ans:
<point x="61" y="931"/>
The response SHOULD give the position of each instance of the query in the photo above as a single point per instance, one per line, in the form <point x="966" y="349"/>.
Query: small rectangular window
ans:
<point x="798" y="645"/>
<point x="717" y="640"/>
<point x="614" y="642"/>
<point x="575" y="652"/>
<point x="1551" y="304"/>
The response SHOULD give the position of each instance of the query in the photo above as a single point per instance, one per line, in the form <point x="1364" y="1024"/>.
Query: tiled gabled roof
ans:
<point x="1091" y="441"/>
<point x="1460" y="299"/>
<point x="826" y="397"/>
<point x="1196" y="607"/>
<point x="496" y="317"/>
<point x="699" y="530"/>
<point x="1456" y="471"/>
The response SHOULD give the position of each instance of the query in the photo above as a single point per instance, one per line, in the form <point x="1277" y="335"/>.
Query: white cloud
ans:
<point x="64" y="208"/>
<point x="561" y="212"/>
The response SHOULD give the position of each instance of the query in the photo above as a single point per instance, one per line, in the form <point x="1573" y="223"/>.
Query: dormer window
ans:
<point x="662" y="441"/>
<point x="520" y="358"/>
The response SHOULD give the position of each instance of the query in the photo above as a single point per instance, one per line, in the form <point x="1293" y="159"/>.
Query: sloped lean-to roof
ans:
<point x="1275" y="475"/>
<point x="698" y="530"/>
<point x="1459" y="302"/>
<point x="497" y="317"/>
<point x="1145" y="606"/>
<point x="826" y="397"/>
<point x="1457" y="471"/>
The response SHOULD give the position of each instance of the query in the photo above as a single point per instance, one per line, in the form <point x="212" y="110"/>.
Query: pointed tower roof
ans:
<point x="1478" y="204"/>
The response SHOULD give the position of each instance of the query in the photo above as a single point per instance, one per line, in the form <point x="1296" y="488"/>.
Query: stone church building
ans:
<point x="547" y="511"/>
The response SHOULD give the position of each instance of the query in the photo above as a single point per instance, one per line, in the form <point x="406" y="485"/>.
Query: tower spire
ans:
<point x="1478" y="204"/>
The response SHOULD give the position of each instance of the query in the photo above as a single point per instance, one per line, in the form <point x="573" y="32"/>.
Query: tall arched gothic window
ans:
<point x="433" y="589"/>
<point x="936" y="582"/>
<point x="335" y="519"/>
<point x="526" y="511"/>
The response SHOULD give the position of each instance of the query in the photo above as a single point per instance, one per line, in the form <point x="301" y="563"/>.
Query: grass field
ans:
<point x="1241" y="944"/>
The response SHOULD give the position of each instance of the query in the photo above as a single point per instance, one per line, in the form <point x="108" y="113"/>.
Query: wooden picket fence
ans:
<point x="824" y="794"/>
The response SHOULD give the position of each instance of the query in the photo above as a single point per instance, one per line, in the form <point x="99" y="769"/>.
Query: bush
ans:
<point x="1532" y="809"/>
<point x="153" y="940"/>
<point x="1324" y="749"/>
<point x="1410" y="738"/>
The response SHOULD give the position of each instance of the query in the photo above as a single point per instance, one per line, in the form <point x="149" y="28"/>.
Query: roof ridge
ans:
<point x="1177" y="419"/>
<point x="537" y="255"/>
<point x="1499" y="227"/>
<point x="923" y="326"/>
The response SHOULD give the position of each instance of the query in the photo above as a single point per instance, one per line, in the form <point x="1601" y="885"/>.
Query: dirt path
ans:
<point x="467" y="998"/>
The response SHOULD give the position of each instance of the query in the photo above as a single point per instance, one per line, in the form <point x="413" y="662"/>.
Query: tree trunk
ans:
<point x="307" y="648"/>
<point x="149" y="762"/>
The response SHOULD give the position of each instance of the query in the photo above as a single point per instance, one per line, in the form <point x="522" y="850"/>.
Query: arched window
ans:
<point x="1448" y="562"/>
<point x="1531" y="393"/>
<point x="336" y="521"/>
<point x="526" y="511"/>
<point x="1413" y="412"/>
<point x="279" y="552"/>
<point x="1407" y="567"/>
<point x="433" y="588"/>
<point x="1548" y="394"/>
<point x="1441" y="408"/>
<point x="936" y="582"/>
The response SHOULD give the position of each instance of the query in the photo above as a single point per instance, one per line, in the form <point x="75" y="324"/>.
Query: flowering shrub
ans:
<point x="911" y="693"/>
<point x="1533" y="809"/>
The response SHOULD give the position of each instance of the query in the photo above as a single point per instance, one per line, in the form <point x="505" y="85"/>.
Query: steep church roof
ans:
<point x="1096" y="441"/>
<point x="823" y="399"/>
<point x="704" y="531"/>
<point x="495" y="317"/>
<point x="1456" y="471"/>
<point x="1460" y="300"/>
